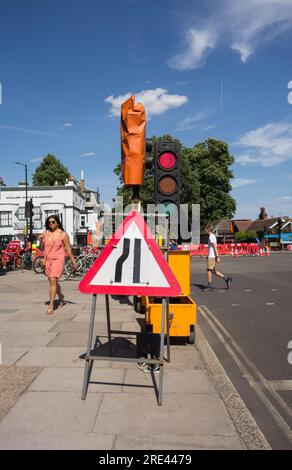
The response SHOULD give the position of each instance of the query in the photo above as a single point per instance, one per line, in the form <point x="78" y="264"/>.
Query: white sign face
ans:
<point x="131" y="263"/>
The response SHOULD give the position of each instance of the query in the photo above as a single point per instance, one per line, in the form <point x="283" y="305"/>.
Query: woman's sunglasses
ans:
<point x="53" y="222"/>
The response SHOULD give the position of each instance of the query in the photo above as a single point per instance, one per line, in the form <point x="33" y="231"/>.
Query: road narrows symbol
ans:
<point x="122" y="259"/>
<point x="137" y="261"/>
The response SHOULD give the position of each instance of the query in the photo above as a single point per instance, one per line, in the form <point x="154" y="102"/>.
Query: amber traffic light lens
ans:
<point x="167" y="185"/>
<point x="167" y="161"/>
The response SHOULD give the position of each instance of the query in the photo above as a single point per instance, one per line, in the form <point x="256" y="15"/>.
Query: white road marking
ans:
<point x="258" y="387"/>
<point x="270" y="303"/>
<point x="274" y="290"/>
<point x="281" y="384"/>
<point x="235" y="305"/>
<point x="248" y="290"/>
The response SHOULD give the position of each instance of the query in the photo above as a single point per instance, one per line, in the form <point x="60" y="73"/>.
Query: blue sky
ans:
<point x="213" y="68"/>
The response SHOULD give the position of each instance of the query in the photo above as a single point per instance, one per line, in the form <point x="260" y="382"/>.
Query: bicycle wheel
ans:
<point x="37" y="265"/>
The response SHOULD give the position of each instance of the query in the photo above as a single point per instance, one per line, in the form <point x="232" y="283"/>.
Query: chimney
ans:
<point x="82" y="181"/>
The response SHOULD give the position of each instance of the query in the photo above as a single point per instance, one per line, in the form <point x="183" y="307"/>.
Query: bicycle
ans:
<point x="84" y="263"/>
<point x="37" y="264"/>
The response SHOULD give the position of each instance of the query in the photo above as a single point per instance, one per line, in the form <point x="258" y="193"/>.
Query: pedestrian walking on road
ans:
<point x="56" y="245"/>
<point x="213" y="259"/>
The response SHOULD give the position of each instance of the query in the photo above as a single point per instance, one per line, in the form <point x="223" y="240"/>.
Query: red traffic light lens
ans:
<point x="167" y="161"/>
<point x="167" y="185"/>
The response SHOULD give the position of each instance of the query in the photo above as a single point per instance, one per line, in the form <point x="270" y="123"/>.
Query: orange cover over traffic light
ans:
<point x="133" y="142"/>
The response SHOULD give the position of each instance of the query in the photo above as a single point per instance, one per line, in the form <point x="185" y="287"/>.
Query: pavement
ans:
<point x="42" y="371"/>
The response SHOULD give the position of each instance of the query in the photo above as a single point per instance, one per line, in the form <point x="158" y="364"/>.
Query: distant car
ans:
<point x="5" y="239"/>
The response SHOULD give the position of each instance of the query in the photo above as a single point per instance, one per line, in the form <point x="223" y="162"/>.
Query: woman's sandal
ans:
<point x="50" y="311"/>
<point x="61" y="301"/>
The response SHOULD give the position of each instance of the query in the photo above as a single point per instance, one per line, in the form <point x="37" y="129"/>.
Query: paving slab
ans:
<point x="193" y="414"/>
<point x="11" y="355"/>
<point x="174" y="381"/>
<point x="185" y="358"/>
<point x="177" y="442"/>
<point x="41" y="316"/>
<point x="23" y="327"/>
<point x="55" y="441"/>
<point x="25" y="340"/>
<point x="71" y="380"/>
<point x="57" y="357"/>
<point x="54" y="412"/>
<point x="13" y="382"/>
<point x="82" y="327"/>
<point x="100" y="317"/>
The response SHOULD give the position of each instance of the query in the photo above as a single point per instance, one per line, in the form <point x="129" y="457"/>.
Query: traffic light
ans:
<point x="133" y="142"/>
<point x="167" y="176"/>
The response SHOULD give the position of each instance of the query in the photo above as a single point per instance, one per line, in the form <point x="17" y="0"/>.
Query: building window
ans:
<point x="5" y="219"/>
<point x="21" y="213"/>
<point x="82" y="221"/>
<point x="37" y="213"/>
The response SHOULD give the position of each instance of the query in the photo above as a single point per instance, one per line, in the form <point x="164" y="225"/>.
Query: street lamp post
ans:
<point x="26" y="195"/>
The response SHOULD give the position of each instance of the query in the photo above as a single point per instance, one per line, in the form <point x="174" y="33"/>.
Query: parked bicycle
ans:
<point x="84" y="263"/>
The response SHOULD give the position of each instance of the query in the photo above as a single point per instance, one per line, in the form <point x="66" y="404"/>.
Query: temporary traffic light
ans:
<point x="29" y="209"/>
<point x="133" y="142"/>
<point x="167" y="178"/>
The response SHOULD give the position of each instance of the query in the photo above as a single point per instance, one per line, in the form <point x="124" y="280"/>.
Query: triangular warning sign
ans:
<point x="131" y="264"/>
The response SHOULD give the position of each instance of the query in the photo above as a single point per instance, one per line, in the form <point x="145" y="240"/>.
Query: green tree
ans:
<point x="49" y="171"/>
<point x="213" y="160"/>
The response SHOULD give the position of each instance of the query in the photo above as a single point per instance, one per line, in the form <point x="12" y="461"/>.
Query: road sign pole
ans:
<point x="161" y="353"/>
<point x="89" y="346"/>
<point x="164" y="310"/>
<point x="108" y="320"/>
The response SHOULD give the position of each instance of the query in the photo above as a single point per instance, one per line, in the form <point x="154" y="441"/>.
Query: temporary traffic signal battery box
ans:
<point x="182" y="309"/>
<point x="182" y="316"/>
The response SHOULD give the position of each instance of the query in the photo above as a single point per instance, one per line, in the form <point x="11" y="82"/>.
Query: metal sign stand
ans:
<point x="89" y="357"/>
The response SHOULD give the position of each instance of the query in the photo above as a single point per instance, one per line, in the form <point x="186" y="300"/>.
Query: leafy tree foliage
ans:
<point x="49" y="171"/>
<point x="213" y="160"/>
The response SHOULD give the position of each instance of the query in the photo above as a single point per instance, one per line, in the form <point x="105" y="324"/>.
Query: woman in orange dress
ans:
<point x="56" y="245"/>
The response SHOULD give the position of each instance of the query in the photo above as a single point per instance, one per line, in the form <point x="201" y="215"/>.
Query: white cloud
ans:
<point x="66" y="125"/>
<point x="255" y="22"/>
<point x="36" y="159"/>
<point x="267" y="146"/>
<point x="156" y="101"/>
<point x="196" y="44"/>
<point x="239" y="182"/>
<point x="87" y="154"/>
<point x="244" y="26"/>
<point x="190" y="122"/>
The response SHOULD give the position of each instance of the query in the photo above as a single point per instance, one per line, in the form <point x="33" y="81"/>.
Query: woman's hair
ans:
<point x="57" y="219"/>
<point x="209" y="227"/>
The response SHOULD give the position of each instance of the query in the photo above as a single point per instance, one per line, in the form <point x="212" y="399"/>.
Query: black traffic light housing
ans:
<point x="167" y="174"/>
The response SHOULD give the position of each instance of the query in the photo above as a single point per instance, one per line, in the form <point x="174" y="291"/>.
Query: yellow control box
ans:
<point x="180" y="264"/>
<point x="182" y="316"/>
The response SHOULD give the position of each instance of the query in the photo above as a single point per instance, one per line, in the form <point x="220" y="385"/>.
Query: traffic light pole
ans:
<point x="26" y="199"/>
<point x="30" y="224"/>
